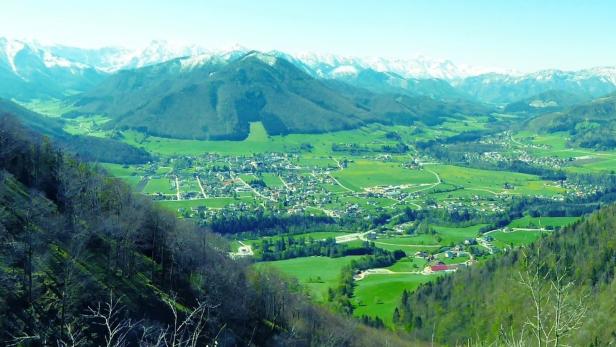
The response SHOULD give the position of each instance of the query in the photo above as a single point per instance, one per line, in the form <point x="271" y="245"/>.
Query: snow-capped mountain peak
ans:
<point x="10" y="49"/>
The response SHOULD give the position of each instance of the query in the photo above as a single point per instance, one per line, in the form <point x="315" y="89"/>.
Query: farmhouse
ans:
<point x="438" y="268"/>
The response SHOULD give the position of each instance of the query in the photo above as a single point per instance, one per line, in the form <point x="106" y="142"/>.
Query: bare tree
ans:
<point x="108" y="316"/>
<point x="557" y="312"/>
<point x="187" y="332"/>
<point x="74" y="336"/>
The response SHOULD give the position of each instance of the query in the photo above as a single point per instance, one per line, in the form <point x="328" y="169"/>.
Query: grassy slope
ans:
<point x="378" y="295"/>
<point x="308" y="271"/>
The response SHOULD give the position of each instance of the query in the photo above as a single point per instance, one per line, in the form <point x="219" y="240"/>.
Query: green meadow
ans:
<point x="542" y="222"/>
<point x="364" y="173"/>
<point x="315" y="273"/>
<point x="515" y="238"/>
<point x="378" y="295"/>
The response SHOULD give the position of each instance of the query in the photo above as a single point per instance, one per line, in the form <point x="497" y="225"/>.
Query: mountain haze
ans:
<point x="28" y="71"/>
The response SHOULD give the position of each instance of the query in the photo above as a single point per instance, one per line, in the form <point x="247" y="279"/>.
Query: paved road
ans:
<point x="177" y="188"/>
<point x="201" y="187"/>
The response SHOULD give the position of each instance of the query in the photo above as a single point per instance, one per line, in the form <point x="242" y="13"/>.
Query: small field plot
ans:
<point x="378" y="295"/>
<point x="272" y="180"/>
<point x="409" y="244"/>
<point x="119" y="170"/>
<point x="132" y="181"/>
<point x="451" y="235"/>
<point x="315" y="162"/>
<point x="49" y="107"/>
<point x="160" y="185"/>
<point x="128" y="174"/>
<point x="89" y="125"/>
<point x="257" y="142"/>
<point x="542" y="222"/>
<point x="604" y="163"/>
<point x="185" y="204"/>
<point x="408" y="264"/>
<point x="189" y="185"/>
<point x="366" y="173"/>
<point x="316" y="273"/>
<point x="515" y="238"/>
<point x="495" y="182"/>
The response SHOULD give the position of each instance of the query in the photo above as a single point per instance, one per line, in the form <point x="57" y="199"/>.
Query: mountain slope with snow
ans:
<point x="503" y="89"/>
<point x="30" y="71"/>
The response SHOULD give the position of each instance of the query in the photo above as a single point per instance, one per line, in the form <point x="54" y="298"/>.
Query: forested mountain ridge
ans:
<point x="546" y="102"/>
<point x="79" y="247"/>
<point x="591" y="124"/>
<point x="516" y="298"/>
<point x="217" y="98"/>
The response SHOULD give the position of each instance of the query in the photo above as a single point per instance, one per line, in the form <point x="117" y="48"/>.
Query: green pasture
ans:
<point x="160" y="185"/>
<point x="367" y="173"/>
<point x="378" y="295"/>
<point x="315" y="273"/>
<point x="541" y="222"/>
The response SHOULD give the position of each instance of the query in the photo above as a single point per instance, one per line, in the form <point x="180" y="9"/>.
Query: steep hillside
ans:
<point x="83" y="259"/>
<point x="591" y="125"/>
<point x="216" y="98"/>
<point x="85" y="147"/>
<point x="569" y="273"/>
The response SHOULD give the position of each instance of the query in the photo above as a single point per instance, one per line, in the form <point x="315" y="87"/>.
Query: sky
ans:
<point x="522" y="35"/>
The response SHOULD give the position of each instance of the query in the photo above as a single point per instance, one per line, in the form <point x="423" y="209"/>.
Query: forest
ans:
<point x="558" y="291"/>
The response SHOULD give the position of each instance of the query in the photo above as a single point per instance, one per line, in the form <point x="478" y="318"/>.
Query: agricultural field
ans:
<point x="378" y="295"/>
<point x="160" y="185"/>
<point x="542" y="222"/>
<point x="317" y="274"/>
<point x="515" y="238"/>
<point x="495" y="182"/>
<point x="363" y="174"/>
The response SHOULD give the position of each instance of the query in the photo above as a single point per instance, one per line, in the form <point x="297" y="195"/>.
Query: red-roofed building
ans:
<point x="439" y="267"/>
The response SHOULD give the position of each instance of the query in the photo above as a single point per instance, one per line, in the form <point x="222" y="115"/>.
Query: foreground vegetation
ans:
<point x="558" y="291"/>
<point x="85" y="261"/>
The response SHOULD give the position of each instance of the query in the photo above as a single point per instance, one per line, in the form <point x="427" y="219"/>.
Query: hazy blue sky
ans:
<point x="524" y="35"/>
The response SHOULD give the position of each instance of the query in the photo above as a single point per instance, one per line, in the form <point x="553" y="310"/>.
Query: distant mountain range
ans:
<point x="215" y="97"/>
<point x="502" y="89"/>
<point x="28" y="71"/>
<point x="192" y="92"/>
<point x="31" y="70"/>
